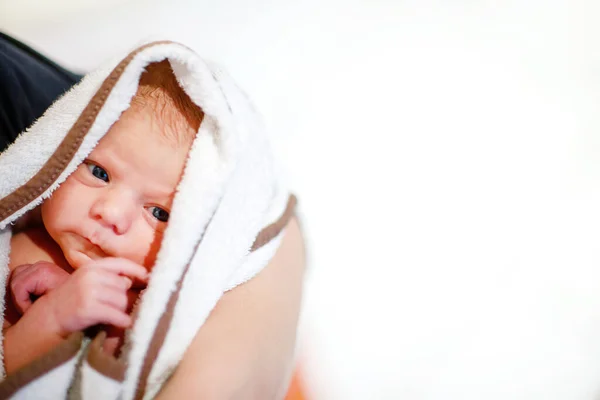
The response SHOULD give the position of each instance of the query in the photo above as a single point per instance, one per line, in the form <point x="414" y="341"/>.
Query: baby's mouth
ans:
<point x="93" y="251"/>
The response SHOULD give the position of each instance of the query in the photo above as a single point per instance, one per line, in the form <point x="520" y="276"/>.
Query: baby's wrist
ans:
<point x="32" y="336"/>
<point x="46" y="319"/>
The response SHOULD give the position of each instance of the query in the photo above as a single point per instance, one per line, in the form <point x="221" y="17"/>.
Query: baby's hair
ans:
<point x="159" y="89"/>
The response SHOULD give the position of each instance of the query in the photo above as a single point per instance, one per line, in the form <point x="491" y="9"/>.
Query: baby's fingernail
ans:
<point x="129" y="282"/>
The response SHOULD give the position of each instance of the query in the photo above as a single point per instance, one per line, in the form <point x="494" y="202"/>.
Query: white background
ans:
<point x="446" y="158"/>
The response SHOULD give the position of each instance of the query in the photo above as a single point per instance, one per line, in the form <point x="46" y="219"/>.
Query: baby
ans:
<point x="99" y="233"/>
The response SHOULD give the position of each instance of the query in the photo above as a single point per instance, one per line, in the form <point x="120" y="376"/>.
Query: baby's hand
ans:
<point x="94" y="294"/>
<point x="34" y="280"/>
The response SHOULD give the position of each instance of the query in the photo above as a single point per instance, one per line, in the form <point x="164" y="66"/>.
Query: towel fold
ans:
<point x="224" y="227"/>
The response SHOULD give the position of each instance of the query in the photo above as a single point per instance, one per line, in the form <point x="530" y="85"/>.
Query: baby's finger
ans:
<point x="106" y="314"/>
<point x="23" y="284"/>
<point x="22" y="301"/>
<point x="22" y="272"/>
<point x="21" y="269"/>
<point x="48" y="274"/>
<point x="109" y="279"/>
<point x="113" y="297"/>
<point x="19" y="290"/>
<point x="127" y="282"/>
<point x="121" y="266"/>
<point x="34" y="280"/>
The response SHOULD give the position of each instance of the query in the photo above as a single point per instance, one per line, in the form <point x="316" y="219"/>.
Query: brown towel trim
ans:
<point x="160" y="333"/>
<point x="42" y="365"/>
<point x="67" y="149"/>
<point x="271" y="231"/>
<point x="103" y="363"/>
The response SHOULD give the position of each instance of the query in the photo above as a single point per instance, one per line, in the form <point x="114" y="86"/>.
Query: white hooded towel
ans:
<point x="225" y="224"/>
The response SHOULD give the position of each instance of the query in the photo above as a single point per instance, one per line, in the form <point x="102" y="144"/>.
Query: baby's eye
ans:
<point x="159" y="213"/>
<point x="98" y="172"/>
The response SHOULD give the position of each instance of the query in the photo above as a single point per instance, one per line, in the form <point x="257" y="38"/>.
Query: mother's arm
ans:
<point x="245" y="348"/>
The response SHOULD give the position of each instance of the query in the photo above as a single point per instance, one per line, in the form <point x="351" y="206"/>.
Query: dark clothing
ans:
<point x="29" y="84"/>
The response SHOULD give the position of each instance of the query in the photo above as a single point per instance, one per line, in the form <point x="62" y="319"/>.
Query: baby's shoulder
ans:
<point x="33" y="245"/>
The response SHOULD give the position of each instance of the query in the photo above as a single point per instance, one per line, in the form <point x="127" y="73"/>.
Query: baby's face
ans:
<point x="117" y="202"/>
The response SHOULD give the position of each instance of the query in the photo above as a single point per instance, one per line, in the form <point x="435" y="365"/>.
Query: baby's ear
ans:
<point x="30" y="219"/>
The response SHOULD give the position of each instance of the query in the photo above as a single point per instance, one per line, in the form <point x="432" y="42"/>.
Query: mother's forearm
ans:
<point x="245" y="349"/>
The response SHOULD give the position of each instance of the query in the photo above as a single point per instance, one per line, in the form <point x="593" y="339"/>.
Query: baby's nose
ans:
<point x="115" y="209"/>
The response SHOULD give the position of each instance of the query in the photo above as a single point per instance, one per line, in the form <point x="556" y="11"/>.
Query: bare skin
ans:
<point x="98" y="293"/>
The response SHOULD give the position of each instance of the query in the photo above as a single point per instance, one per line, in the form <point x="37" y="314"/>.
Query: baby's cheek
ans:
<point x="67" y="199"/>
<point x="143" y="248"/>
<point x="49" y="217"/>
<point x="150" y="257"/>
<point x="154" y="249"/>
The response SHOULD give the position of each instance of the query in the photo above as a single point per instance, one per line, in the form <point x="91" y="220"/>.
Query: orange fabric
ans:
<point x="296" y="391"/>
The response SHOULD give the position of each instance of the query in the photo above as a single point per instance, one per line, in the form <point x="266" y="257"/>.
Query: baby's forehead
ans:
<point x="141" y="130"/>
<point x="177" y="124"/>
<point x="160" y="91"/>
<point x="160" y="108"/>
<point x="140" y="149"/>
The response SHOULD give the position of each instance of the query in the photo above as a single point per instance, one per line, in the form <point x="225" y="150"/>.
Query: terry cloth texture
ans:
<point x="224" y="227"/>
